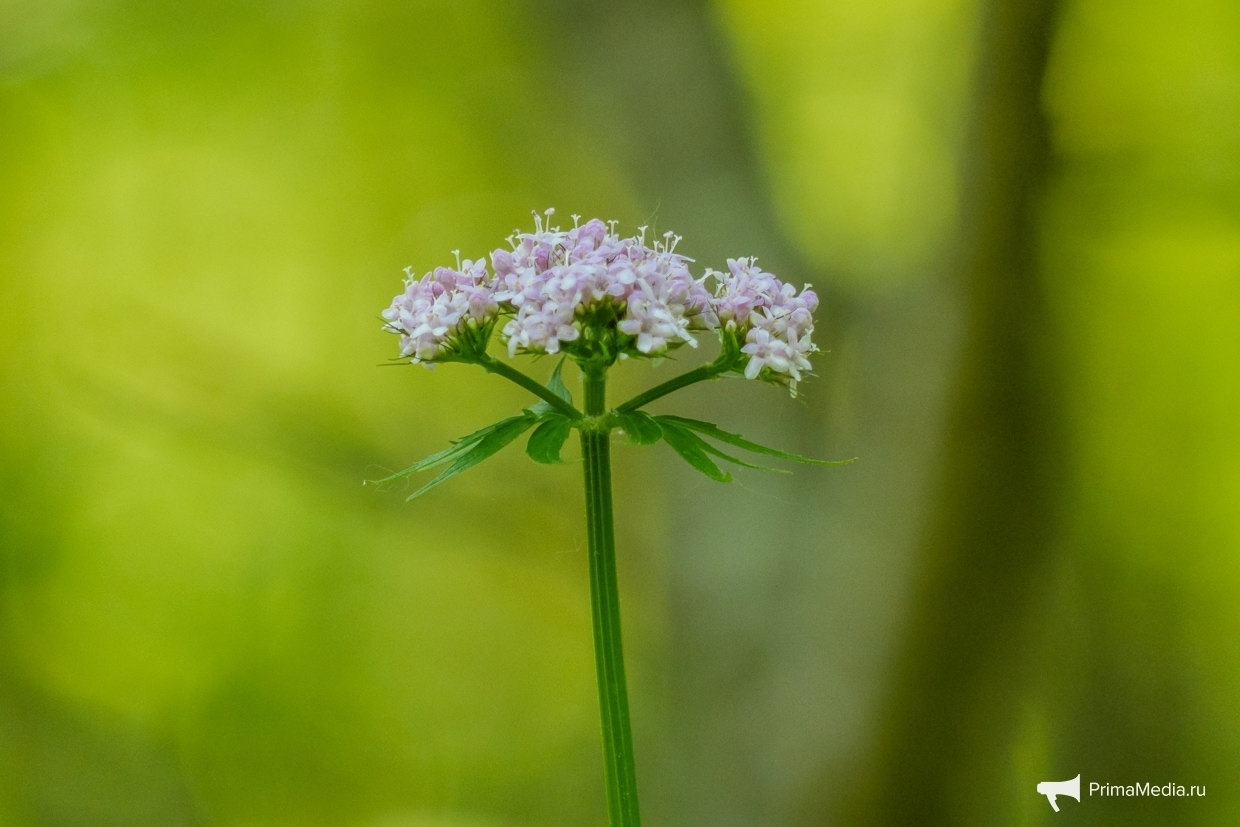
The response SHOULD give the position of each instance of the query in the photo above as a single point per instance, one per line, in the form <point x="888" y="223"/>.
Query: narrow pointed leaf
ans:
<point x="506" y="432"/>
<point x="689" y="446"/>
<point x="548" y="439"/>
<point x="640" y="427"/>
<point x="711" y="449"/>
<point x="715" y="432"/>
<point x="556" y="385"/>
<point x="458" y="447"/>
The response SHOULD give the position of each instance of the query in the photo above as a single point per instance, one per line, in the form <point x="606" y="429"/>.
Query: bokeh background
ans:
<point x="1023" y="217"/>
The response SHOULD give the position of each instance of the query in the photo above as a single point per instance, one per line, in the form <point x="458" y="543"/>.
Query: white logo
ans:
<point x="1050" y="789"/>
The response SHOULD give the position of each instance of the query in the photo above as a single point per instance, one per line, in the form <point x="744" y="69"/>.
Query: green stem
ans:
<point x="613" y="699"/>
<point x="715" y="368"/>
<point x="492" y="365"/>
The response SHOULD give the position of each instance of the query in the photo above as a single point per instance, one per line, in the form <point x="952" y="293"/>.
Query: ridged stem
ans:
<point x="618" y="767"/>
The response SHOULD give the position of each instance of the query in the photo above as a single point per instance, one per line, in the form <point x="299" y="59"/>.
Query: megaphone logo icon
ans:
<point x="1050" y="789"/>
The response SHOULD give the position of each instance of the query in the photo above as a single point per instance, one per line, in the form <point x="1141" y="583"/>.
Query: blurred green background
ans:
<point x="1023" y="218"/>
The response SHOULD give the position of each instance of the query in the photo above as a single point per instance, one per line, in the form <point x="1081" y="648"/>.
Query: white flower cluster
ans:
<point x="550" y="276"/>
<point x="554" y="279"/>
<point x="777" y="322"/>
<point x="556" y="286"/>
<point x="430" y="314"/>
<point x="665" y="302"/>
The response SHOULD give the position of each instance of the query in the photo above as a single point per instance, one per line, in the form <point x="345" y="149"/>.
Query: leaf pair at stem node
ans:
<point x="683" y="435"/>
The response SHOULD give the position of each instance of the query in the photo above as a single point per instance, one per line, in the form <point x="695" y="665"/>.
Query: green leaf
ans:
<point x="556" y="385"/>
<point x="503" y="433"/>
<point x="690" y="447"/>
<point x="640" y="427"/>
<point x="714" y="431"/>
<point x="735" y="460"/>
<point x="548" y="439"/>
<point x="686" y="434"/>
<point x="458" y="447"/>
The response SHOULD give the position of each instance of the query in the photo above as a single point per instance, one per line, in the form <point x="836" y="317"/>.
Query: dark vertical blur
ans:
<point x="962" y="666"/>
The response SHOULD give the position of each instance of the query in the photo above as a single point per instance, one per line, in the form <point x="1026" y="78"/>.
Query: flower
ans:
<point x="777" y="323"/>
<point x="436" y="312"/>
<point x="543" y="281"/>
<point x="559" y="283"/>
<point x="596" y="296"/>
<point x="665" y="302"/>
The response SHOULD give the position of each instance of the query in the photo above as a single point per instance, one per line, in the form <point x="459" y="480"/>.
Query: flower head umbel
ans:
<point x="445" y="315"/>
<point x="593" y="295"/>
<point x="775" y="322"/>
